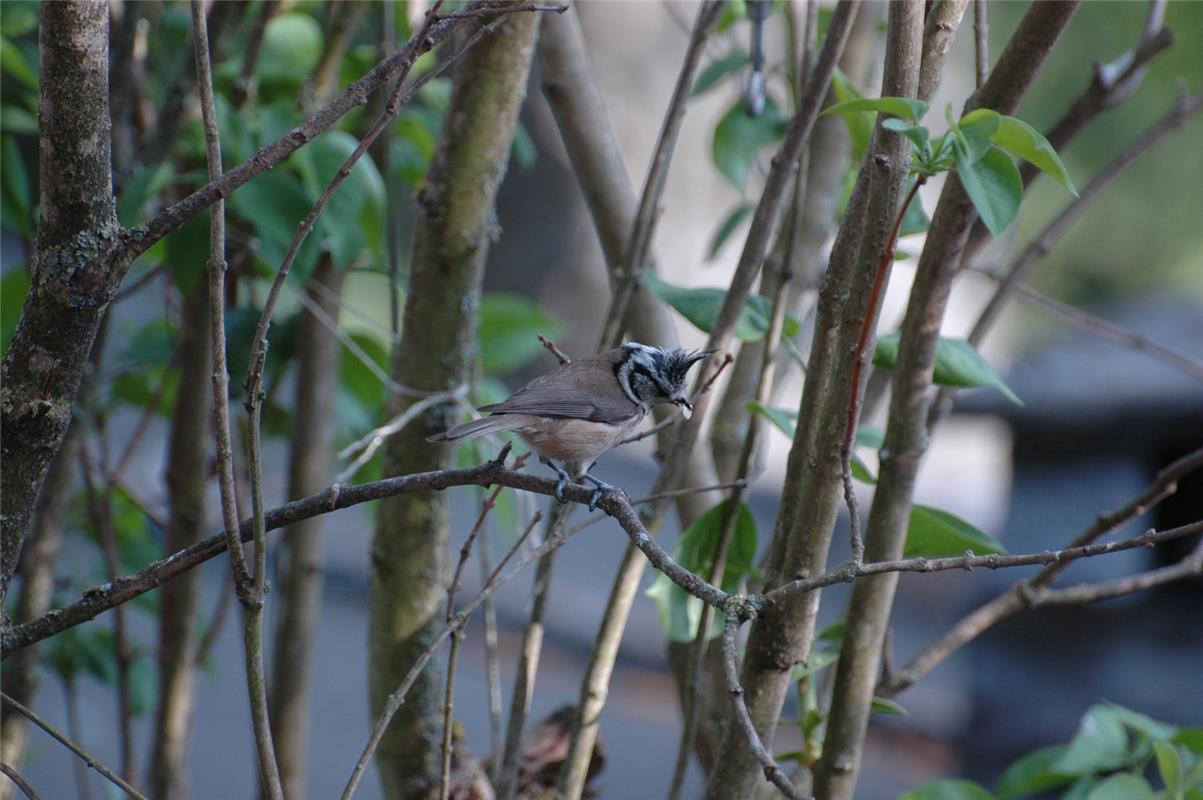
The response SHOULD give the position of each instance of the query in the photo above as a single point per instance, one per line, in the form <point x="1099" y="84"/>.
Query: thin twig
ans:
<point x="251" y="597"/>
<point x="1092" y="323"/>
<point x="101" y="512"/>
<point x="84" y="755"/>
<point x="17" y="780"/>
<point x="554" y="350"/>
<point x="373" y="439"/>
<point x="353" y="347"/>
<point x="657" y="175"/>
<point x="772" y="770"/>
<point x="395" y="700"/>
<point x="981" y="42"/>
<point x="973" y="624"/>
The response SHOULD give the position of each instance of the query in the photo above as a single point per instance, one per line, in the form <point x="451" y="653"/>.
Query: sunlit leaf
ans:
<point x="906" y="108"/>
<point x="882" y="705"/>
<point x="1032" y="773"/>
<point x="932" y="533"/>
<point x="1123" y="786"/>
<point x="1026" y="142"/>
<point x="957" y="364"/>
<point x="1099" y="744"/>
<point x="292" y="45"/>
<point x="859" y="123"/>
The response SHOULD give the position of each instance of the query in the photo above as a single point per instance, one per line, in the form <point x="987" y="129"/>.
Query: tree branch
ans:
<point x="1008" y="603"/>
<point x="772" y="770"/>
<point x="84" y="755"/>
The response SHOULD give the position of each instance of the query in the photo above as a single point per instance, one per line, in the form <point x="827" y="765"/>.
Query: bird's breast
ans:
<point x="575" y="441"/>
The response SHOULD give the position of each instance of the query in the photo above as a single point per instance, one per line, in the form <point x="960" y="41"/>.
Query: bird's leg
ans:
<point x="602" y="488"/>
<point x="561" y="474"/>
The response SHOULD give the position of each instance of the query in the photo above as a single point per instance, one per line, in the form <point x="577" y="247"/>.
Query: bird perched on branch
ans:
<point x="583" y="408"/>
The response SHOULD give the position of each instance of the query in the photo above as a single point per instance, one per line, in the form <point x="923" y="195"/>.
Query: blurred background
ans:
<point x="1098" y="419"/>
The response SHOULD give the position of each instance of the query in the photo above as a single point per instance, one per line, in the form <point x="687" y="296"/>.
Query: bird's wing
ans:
<point x="569" y="391"/>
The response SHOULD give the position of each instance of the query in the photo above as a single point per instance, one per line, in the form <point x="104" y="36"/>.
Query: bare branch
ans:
<point x="553" y="349"/>
<point x="772" y="770"/>
<point x="20" y="782"/>
<point x="1009" y="602"/>
<point x="981" y="42"/>
<point x="1092" y="323"/>
<point x="251" y="598"/>
<point x="84" y="755"/>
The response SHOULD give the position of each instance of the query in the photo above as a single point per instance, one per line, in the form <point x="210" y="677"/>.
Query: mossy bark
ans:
<point x="436" y="351"/>
<point x="72" y="280"/>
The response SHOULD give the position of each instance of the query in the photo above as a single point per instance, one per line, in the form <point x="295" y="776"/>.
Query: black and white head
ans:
<point x="650" y="376"/>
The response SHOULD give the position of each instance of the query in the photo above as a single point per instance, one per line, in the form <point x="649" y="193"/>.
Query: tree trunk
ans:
<point x="186" y="477"/>
<point x="437" y="348"/>
<point x="300" y="551"/>
<point x="72" y="282"/>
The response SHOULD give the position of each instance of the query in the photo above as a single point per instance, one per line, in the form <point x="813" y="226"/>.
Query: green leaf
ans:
<point x="957" y="364"/>
<point x="859" y="123"/>
<point x="1026" y="142"/>
<point x="976" y="132"/>
<point x="1099" y="744"/>
<point x="906" y="108"/>
<point x="15" y="200"/>
<point x="1190" y="738"/>
<point x="523" y="149"/>
<point x="919" y="135"/>
<point x="785" y="420"/>
<point x="14" y="119"/>
<point x="1169" y="765"/>
<point x="417" y="132"/>
<point x="680" y="613"/>
<point x="732" y="12"/>
<point x="1122" y="787"/>
<point x="274" y="203"/>
<point x="818" y="661"/>
<point x="139" y="190"/>
<point x="12" y="62"/>
<point x="718" y="69"/>
<point x="1142" y="723"/>
<point x="13" y="288"/>
<point x="729" y="226"/>
<point x="362" y="390"/>
<point x="701" y="306"/>
<point x="188" y="252"/>
<point x="1032" y="773"/>
<point x="881" y="705"/>
<point x="949" y="790"/>
<point x="933" y="533"/>
<point x="18" y="19"/>
<point x="992" y="183"/>
<point x="869" y="436"/>
<point x="292" y="45"/>
<point x="341" y="225"/>
<point x="738" y="139"/>
<point x="509" y="328"/>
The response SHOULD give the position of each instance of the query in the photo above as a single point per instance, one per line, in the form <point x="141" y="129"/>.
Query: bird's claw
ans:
<point x="559" y="493"/>
<point x="595" y="498"/>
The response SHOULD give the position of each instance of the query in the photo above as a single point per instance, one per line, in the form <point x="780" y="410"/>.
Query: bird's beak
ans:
<point x="686" y="407"/>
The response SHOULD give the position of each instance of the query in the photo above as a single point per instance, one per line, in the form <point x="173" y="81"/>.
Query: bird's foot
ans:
<point x="600" y="491"/>
<point x="564" y="478"/>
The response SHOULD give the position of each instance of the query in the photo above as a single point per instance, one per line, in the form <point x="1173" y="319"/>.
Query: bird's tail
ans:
<point x="480" y="427"/>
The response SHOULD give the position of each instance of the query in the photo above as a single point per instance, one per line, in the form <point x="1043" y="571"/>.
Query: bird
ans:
<point x="579" y="410"/>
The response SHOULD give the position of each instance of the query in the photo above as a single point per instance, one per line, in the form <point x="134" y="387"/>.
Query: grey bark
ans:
<point x="300" y="552"/>
<point x="783" y="633"/>
<point x="409" y="550"/>
<point x="72" y="281"/>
